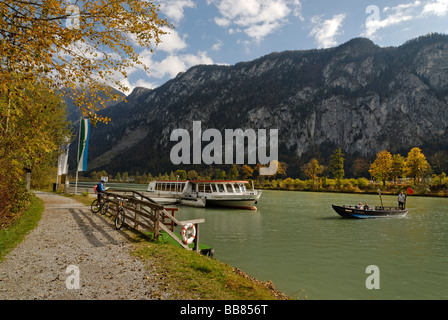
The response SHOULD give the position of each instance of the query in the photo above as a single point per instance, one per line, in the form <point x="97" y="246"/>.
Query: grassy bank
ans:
<point x="16" y="232"/>
<point x="191" y="276"/>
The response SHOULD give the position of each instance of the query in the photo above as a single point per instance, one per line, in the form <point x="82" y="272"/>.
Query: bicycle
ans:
<point x="105" y="207"/>
<point x="120" y="217"/>
<point x="95" y="206"/>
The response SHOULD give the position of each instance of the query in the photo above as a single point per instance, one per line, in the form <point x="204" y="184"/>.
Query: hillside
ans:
<point x="357" y="96"/>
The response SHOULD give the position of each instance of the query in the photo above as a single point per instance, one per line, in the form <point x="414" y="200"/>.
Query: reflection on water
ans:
<point x="296" y="240"/>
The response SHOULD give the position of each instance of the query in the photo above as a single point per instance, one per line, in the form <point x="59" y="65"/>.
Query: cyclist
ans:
<point x="100" y="189"/>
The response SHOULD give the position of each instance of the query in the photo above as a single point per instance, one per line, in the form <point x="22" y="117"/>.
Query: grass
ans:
<point x="15" y="233"/>
<point x="196" y="277"/>
<point x="83" y="198"/>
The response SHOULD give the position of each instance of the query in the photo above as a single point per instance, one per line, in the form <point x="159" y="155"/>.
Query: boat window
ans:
<point x="207" y="188"/>
<point x="238" y="188"/>
<point x="229" y="188"/>
<point x="221" y="188"/>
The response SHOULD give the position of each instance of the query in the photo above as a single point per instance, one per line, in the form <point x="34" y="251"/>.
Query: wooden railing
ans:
<point x="142" y="213"/>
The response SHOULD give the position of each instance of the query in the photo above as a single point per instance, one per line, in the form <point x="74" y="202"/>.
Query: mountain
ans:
<point x="357" y="96"/>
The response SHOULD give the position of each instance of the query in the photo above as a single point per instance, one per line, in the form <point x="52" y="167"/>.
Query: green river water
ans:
<point x="296" y="240"/>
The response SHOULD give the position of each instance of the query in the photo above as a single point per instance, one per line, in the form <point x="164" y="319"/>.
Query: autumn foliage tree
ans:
<point x="81" y="46"/>
<point x="37" y="125"/>
<point x="48" y="45"/>
<point x="313" y="169"/>
<point x="416" y="164"/>
<point x="382" y="166"/>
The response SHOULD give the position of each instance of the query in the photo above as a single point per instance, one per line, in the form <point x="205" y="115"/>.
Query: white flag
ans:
<point x="63" y="159"/>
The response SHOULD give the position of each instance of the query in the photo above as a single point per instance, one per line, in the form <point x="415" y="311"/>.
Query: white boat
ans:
<point x="232" y="194"/>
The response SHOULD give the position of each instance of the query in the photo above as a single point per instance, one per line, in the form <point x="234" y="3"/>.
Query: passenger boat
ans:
<point x="377" y="212"/>
<point x="232" y="194"/>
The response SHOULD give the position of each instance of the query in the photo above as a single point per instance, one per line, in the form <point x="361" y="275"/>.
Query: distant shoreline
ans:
<point x="384" y="193"/>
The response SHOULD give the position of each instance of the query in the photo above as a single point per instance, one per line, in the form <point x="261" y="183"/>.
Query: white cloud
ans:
<point x="394" y="16"/>
<point x="325" y="31"/>
<point x="171" y="65"/>
<point x="174" y="9"/>
<point x="257" y="18"/>
<point x="218" y="45"/>
<point x="406" y="12"/>
<point x="438" y="8"/>
<point x="172" y="41"/>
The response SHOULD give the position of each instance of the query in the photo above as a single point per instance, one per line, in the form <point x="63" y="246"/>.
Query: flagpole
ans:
<point x="77" y="159"/>
<point x="381" y="198"/>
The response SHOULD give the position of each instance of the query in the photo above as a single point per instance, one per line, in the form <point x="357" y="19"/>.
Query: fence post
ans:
<point x="156" y="225"/>
<point x="196" y="238"/>
<point x="136" y="225"/>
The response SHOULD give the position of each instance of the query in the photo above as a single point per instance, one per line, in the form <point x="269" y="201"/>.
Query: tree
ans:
<point x="181" y="173"/>
<point x="416" y="164"/>
<point x="360" y="168"/>
<point x="336" y="166"/>
<point x="381" y="167"/>
<point x="313" y="169"/>
<point x="33" y="125"/>
<point x="233" y="173"/>
<point x="439" y="162"/>
<point x="247" y="172"/>
<point x="398" y="167"/>
<point x="81" y="46"/>
<point x="125" y="177"/>
<point x="192" y="175"/>
<point x="220" y="174"/>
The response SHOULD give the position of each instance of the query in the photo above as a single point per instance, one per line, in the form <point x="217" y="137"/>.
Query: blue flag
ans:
<point x="83" y="144"/>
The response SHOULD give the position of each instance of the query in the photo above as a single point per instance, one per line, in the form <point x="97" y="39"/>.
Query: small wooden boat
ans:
<point x="377" y="212"/>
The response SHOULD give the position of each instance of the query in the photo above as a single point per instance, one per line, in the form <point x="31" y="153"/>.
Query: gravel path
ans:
<point x="71" y="241"/>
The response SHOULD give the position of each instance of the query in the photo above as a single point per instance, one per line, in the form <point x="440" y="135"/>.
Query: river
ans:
<point x="296" y="240"/>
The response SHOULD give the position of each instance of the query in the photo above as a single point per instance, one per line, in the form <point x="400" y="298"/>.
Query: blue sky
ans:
<point x="231" y="31"/>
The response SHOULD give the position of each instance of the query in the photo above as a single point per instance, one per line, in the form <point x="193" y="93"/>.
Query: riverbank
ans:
<point x="355" y="186"/>
<point x="114" y="264"/>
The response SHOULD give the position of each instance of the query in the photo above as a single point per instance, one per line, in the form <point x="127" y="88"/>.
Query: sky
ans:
<point x="226" y="32"/>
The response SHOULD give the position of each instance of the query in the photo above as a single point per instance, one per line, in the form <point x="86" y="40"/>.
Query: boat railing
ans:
<point x="385" y="208"/>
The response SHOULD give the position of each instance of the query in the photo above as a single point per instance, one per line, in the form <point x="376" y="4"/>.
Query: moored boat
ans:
<point x="375" y="213"/>
<point x="231" y="194"/>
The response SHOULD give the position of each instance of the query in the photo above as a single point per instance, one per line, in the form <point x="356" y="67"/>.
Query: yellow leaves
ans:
<point x="39" y="43"/>
<point x="37" y="124"/>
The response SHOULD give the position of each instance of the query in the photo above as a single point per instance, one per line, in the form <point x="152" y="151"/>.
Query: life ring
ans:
<point x="190" y="230"/>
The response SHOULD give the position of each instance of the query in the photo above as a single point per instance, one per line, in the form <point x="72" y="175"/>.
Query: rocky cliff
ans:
<point x="356" y="96"/>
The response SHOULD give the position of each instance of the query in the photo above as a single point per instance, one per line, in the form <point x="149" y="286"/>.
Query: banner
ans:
<point x="83" y="145"/>
<point x="63" y="160"/>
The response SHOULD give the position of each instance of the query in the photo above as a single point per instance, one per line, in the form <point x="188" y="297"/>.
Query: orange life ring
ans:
<point x="188" y="230"/>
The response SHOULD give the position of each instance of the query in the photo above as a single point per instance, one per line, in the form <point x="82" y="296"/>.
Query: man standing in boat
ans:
<point x="401" y="200"/>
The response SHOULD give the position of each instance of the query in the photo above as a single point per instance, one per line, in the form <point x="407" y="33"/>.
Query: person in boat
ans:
<point x="401" y="200"/>
<point x="360" y="206"/>
<point x="366" y="206"/>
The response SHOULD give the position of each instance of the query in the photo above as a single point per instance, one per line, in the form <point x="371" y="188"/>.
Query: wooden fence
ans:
<point x="144" y="214"/>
